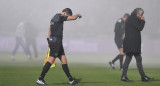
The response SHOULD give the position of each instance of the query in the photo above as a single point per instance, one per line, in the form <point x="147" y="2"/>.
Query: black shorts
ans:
<point x="56" y="47"/>
<point x="119" y="42"/>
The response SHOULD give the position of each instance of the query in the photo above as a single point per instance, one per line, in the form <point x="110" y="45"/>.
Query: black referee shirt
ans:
<point x="119" y="28"/>
<point x="56" y="25"/>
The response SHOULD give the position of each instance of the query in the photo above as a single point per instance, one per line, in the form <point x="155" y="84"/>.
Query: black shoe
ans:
<point x="146" y="79"/>
<point x="112" y="65"/>
<point x="74" y="81"/>
<point x="41" y="82"/>
<point x="125" y="79"/>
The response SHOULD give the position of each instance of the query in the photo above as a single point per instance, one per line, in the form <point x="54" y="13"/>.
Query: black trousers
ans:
<point x="138" y="61"/>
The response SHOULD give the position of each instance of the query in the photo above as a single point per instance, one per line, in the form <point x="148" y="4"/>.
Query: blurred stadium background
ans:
<point x="87" y="41"/>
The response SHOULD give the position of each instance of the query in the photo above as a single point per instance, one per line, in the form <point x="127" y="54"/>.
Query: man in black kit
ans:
<point x="56" y="47"/>
<point x="132" y="43"/>
<point x="119" y="37"/>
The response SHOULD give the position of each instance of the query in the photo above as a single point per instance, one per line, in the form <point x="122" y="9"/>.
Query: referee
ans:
<point x="56" y="47"/>
<point x="119" y="37"/>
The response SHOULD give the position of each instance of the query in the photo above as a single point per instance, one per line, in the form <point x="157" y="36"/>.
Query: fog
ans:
<point x="91" y="35"/>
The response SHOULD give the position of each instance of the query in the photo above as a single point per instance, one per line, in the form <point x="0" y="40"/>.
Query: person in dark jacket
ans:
<point x="119" y="37"/>
<point x="132" y="43"/>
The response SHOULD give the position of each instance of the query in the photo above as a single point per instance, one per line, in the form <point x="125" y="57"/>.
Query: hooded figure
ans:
<point x="134" y="26"/>
<point x="132" y="43"/>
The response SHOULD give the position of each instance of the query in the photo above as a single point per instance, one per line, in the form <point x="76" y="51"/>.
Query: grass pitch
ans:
<point x="25" y="73"/>
<point x="91" y="76"/>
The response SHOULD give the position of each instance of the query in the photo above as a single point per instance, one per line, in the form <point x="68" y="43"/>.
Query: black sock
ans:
<point x="45" y="70"/>
<point x="66" y="70"/>
<point x="115" y="59"/>
<point x="121" y="61"/>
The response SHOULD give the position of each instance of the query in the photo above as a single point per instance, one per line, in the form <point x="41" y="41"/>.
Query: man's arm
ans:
<point x="118" y="29"/>
<point x="49" y="34"/>
<point x="139" y="25"/>
<point x="74" y="17"/>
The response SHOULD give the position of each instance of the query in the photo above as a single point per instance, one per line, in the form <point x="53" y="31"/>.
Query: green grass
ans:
<point x="25" y="73"/>
<point x="91" y="76"/>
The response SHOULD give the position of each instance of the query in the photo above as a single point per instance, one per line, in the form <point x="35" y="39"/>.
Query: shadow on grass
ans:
<point x="79" y="82"/>
<point x="93" y="82"/>
<point x="58" y="84"/>
<point x="150" y="81"/>
<point x="156" y="80"/>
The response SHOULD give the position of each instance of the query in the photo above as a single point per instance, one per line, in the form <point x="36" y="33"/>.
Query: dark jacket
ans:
<point x="119" y="33"/>
<point x="132" y="41"/>
<point x="119" y="28"/>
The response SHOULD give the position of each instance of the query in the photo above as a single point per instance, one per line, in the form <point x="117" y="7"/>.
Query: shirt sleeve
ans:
<point x="118" y="29"/>
<point x="63" y="18"/>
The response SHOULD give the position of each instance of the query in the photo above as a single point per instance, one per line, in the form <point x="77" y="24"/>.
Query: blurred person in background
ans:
<point x="119" y="37"/>
<point x="20" y="40"/>
<point x="132" y="43"/>
<point x="56" y="45"/>
<point x="30" y="35"/>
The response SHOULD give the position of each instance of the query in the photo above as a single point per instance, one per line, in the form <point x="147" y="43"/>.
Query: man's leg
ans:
<point x="35" y="48"/>
<point x="65" y="67"/>
<point x="15" y="49"/>
<point x="115" y="59"/>
<point x="120" y="56"/>
<point x="54" y="49"/>
<point x="126" y="64"/>
<point x="72" y="80"/>
<point x="121" y="62"/>
<point x="28" y="49"/>
<point x="139" y="64"/>
<point x="46" y="67"/>
<point x="125" y="68"/>
<point x="140" y="68"/>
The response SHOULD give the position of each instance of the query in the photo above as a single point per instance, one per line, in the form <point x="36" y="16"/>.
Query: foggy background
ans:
<point x="86" y="40"/>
